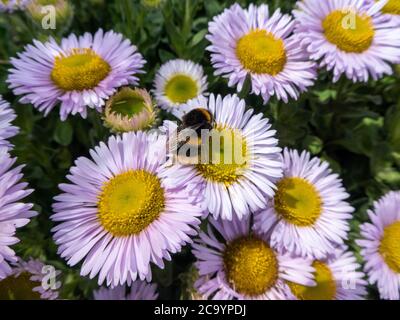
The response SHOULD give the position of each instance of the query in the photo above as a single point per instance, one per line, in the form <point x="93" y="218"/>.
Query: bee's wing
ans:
<point x="173" y="142"/>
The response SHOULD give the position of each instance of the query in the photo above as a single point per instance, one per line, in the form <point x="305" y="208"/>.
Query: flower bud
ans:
<point x="129" y="110"/>
<point x="40" y="12"/>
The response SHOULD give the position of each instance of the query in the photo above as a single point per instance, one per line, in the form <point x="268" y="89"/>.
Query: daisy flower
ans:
<point x="390" y="10"/>
<point x="130" y="110"/>
<point x="7" y="131"/>
<point x="80" y="72"/>
<point x="240" y="173"/>
<point x="380" y="245"/>
<point x="308" y="213"/>
<point x="123" y="209"/>
<point x="350" y="37"/>
<point x="177" y="82"/>
<point x="140" y="290"/>
<point x="13" y="213"/>
<point x="12" y="5"/>
<point x="28" y="280"/>
<point x="337" y="278"/>
<point x="236" y="263"/>
<point x="254" y="43"/>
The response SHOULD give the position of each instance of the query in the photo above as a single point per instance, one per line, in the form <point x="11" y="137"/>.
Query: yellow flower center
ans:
<point x="390" y="246"/>
<point x="83" y="69"/>
<point x="349" y="31"/>
<point x="226" y="157"/>
<point x="392" y="7"/>
<point x="261" y="52"/>
<point x="325" y="288"/>
<point x="19" y="288"/>
<point x="130" y="202"/>
<point x="251" y="266"/>
<point x="181" y="88"/>
<point x="298" y="202"/>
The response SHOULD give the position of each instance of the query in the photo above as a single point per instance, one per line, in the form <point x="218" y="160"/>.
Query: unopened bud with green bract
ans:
<point x="129" y="110"/>
<point x="64" y="12"/>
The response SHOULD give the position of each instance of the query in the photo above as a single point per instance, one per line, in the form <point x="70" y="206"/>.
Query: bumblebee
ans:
<point x="195" y="120"/>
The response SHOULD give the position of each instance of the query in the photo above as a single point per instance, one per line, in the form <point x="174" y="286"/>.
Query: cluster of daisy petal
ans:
<point x="13" y="5"/>
<point x="275" y="226"/>
<point x="14" y="214"/>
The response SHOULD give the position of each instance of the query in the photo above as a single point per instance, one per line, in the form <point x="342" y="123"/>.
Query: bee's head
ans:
<point x="199" y="116"/>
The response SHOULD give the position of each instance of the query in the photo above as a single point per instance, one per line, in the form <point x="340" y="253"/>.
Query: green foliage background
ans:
<point x="356" y="127"/>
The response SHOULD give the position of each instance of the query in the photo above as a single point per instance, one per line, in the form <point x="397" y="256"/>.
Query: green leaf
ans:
<point x="313" y="144"/>
<point x="362" y="138"/>
<point x="64" y="158"/>
<point x="392" y="125"/>
<point x="246" y="88"/>
<point x="198" y="37"/>
<point x="63" y="133"/>
<point x="26" y="119"/>
<point x="390" y="176"/>
<point x="335" y="166"/>
<point x="326" y="95"/>
<point x="165" y="55"/>
<point x="164" y="276"/>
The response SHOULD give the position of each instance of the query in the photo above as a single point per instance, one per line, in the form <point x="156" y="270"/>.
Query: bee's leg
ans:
<point x="171" y="161"/>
